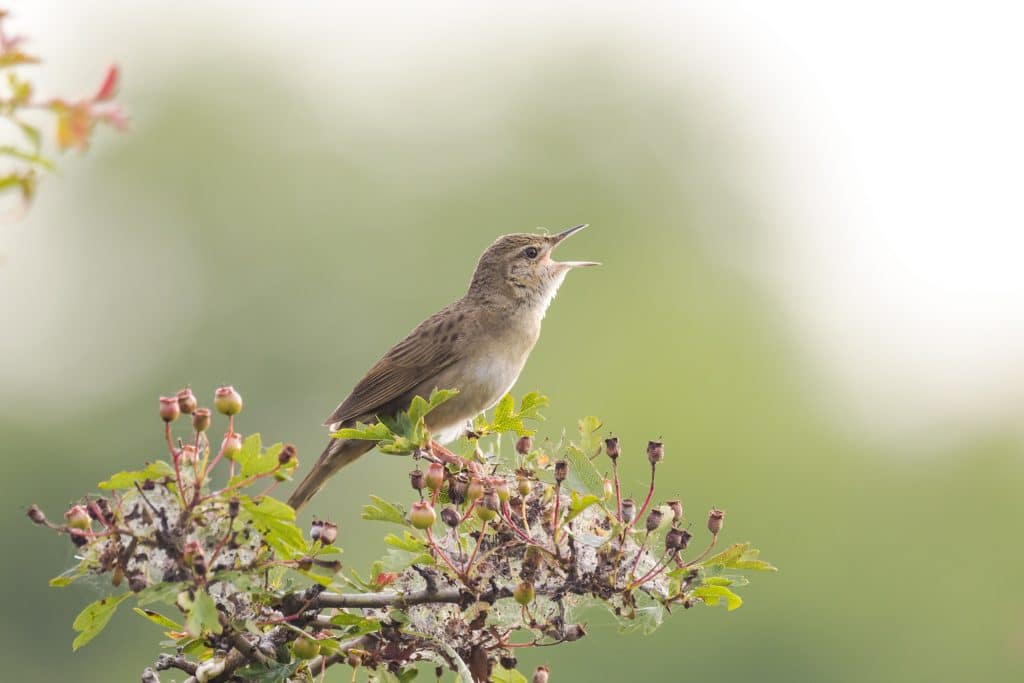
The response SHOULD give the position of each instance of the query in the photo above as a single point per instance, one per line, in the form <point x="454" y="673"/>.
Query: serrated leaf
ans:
<point x="354" y="624"/>
<point x="580" y="503"/>
<point x="378" y="431"/>
<point x="202" y="616"/>
<point x="590" y="441"/>
<point x="712" y="595"/>
<point x="68" y="577"/>
<point x="383" y="511"/>
<point x="276" y="521"/>
<point x="94" y="618"/>
<point x="158" y="619"/>
<point x="740" y="556"/>
<point x="583" y="476"/>
<point x="254" y="460"/>
<point x="126" y="480"/>
<point x="408" y="543"/>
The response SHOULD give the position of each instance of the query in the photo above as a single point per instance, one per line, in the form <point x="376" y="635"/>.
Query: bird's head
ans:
<point x="519" y="267"/>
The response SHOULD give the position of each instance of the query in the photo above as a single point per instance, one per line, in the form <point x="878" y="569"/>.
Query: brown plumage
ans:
<point x="477" y="345"/>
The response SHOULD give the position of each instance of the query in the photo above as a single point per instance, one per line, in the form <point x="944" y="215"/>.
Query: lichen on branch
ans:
<point x="499" y="549"/>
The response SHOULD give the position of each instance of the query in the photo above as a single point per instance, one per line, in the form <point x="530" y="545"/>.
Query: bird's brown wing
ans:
<point x="433" y="346"/>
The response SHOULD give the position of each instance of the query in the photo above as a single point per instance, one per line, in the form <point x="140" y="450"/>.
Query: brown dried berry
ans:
<point x="654" y="518"/>
<point x="524" y="445"/>
<point x="287" y="454"/>
<point x="186" y="401"/>
<point x="561" y="470"/>
<point x="201" y="419"/>
<point x="715" y="519"/>
<point x="36" y="515"/>
<point x="628" y="510"/>
<point x="677" y="510"/>
<point x="611" y="447"/>
<point x="417" y="479"/>
<point x="655" y="452"/>
<point x="451" y="516"/>
<point x="328" y="533"/>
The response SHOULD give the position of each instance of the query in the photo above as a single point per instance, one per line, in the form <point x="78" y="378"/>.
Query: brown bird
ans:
<point x="477" y="345"/>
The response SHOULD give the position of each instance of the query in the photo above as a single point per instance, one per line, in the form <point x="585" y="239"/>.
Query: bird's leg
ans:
<point x="443" y="454"/>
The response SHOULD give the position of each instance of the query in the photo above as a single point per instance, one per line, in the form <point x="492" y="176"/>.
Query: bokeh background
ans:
<point x="810" y="222"/>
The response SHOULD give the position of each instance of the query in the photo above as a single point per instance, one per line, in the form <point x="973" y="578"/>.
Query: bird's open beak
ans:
<point x="561" y="237"/>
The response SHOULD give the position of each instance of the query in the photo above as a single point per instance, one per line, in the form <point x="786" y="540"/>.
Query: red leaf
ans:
<point x="109" y="87"/>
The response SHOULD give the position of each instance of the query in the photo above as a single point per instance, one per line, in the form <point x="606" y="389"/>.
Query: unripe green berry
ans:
<point x="608" y="487"/>
<point x="435" y="476"/>
<point x="305" y="647"/>
<point x="227" y="401"/>
<point x="523" y="485"/>
<point x="232" y="445"/>
<point x="501" y="487"/>
<point x="523" y="593"/>
<point x="77" y="517"/>
<point x="475" y="491"/>
<point x="422" y="515"/>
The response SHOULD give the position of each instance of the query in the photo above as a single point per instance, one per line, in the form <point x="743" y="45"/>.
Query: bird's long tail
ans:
<point x="338" y="454"/>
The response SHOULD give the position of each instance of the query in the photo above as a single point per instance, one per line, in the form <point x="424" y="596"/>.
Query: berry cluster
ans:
<point x="498" y="551"/>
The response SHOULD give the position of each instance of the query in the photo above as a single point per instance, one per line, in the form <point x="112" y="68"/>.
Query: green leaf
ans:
<point x="383" y="511"/>
<point x="69" y="577"/>
<point x="158" y="619"/>
<point x="508" y="419"/>
<point x="408" y="543"/>
<point x="378" y="431"/>
<point x="712" y="595"/>
<point x="277" y="523"/>
<point x="126" y="480"/>
<point x="740" y="556"/>
<point x="354" y="624"/>
<point x="202" y="616"/>
<point x="579" y="504"/>
<point x="503" y="675"/>
<point x="583" y="476"/>
<point x="91" y="620"/>
<point x="590" y="439"/>
<point x="254" y="461"/>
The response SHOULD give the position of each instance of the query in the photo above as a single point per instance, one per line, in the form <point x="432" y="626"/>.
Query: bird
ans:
<point x="477" y="345"/>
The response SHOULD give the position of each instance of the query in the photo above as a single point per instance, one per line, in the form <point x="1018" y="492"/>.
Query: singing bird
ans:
<point x="478" y="345"/>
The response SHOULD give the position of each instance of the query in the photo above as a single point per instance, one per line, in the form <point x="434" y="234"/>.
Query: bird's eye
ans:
<point x="530" y="252"/>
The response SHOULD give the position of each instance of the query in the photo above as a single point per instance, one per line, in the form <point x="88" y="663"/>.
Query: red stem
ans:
<point x="658" y="568"/>
<point x="618" y="490"/>
<point x="647" y="501"/>
<point x="441" y="553"/>
<point x="476" y="548"/>
<point x="639" y="553"/>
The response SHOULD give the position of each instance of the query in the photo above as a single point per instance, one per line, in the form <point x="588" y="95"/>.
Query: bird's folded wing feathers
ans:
<point x="433" y="346"/>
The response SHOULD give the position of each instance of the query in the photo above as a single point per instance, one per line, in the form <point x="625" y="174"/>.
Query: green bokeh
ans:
<point x="299" y="238"/>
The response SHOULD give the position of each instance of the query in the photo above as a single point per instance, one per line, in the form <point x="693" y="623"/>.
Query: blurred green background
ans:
<point x="250" y="231"/>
